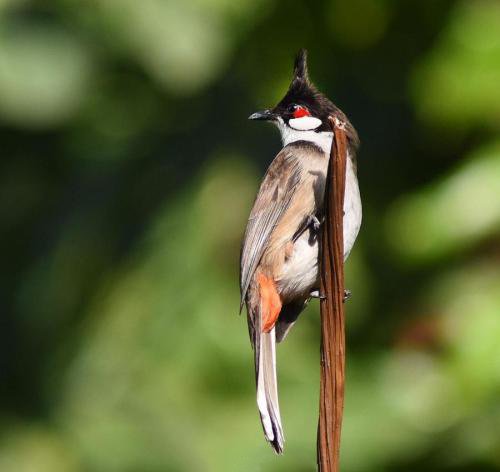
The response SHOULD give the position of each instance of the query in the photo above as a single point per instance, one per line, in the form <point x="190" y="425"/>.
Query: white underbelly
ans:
<point x="300" y="271"/>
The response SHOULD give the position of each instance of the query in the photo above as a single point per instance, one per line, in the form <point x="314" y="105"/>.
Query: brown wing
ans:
<point x="275" y="194"/>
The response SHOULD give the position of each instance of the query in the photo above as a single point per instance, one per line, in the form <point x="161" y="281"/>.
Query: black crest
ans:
<point x="300" y="72"/>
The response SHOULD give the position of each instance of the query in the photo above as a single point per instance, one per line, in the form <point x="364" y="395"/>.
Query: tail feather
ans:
<point x="264" y="346"/>
<point x="267" y="390"/>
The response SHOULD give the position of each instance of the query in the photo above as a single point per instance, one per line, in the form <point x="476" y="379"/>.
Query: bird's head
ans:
<point x="303" y="108"/>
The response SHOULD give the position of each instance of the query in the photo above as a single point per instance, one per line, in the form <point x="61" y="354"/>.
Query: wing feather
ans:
<point x="273" y="199"/>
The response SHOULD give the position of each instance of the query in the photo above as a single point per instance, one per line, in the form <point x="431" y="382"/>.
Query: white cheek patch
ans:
<point x="306" y="123"/>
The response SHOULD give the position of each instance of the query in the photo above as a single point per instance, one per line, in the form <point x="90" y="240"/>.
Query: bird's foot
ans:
<point x="311" y="221"/>
<point x="314" y="223"/>
<point x="316" y="294"/>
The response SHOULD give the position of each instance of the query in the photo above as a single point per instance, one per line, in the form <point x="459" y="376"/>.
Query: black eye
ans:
<point x="291" y="108"/>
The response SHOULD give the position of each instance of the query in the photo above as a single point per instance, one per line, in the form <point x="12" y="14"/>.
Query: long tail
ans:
<point x="267" y="390"/>
<point x="263" y="309"/>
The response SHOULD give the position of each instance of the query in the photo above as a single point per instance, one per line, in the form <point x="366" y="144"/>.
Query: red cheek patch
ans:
<point x="300" y="112"/>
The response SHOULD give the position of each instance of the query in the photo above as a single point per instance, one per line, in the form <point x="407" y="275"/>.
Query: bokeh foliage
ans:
<point x="128" y="169"/>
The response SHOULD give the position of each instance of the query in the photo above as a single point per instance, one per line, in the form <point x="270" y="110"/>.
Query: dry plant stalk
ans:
<point x="331" y="404"/>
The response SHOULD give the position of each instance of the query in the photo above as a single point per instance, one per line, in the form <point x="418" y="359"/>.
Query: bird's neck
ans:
<point x="322" y="139"/>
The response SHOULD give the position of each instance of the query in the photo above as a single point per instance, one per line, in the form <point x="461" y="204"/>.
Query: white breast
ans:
<point x="352" y="208"/>
<point x="300" y="274"/>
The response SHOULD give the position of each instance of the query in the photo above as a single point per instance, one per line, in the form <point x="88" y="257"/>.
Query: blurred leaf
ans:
<point x="44" y="75"/>
<point x="7" y="4"/>
<point x="355" y="30"/>
<point x="469" y="303"/>
<point x="35" y="449"/>
<point x="452" y="214"/>
<point x="183" y="45"/>
<point x="457" y="83"/>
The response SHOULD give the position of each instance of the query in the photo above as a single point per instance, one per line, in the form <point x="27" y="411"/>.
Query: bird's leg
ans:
<point x="310" y="221"/>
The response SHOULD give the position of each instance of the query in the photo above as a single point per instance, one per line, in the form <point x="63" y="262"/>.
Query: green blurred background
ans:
<point x="128" y="169"/>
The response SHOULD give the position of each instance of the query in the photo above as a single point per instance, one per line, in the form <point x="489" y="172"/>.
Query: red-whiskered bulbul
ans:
<point x="279" y="258"/>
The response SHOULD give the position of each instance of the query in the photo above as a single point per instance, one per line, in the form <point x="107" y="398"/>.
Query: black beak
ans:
<point x="263" y="115"/>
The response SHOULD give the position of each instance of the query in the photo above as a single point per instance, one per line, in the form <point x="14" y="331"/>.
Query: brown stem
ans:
<point x="331" y="404"/>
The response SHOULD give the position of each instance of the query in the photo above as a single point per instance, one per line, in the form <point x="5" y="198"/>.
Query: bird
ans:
<point x="279" y="266"/>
